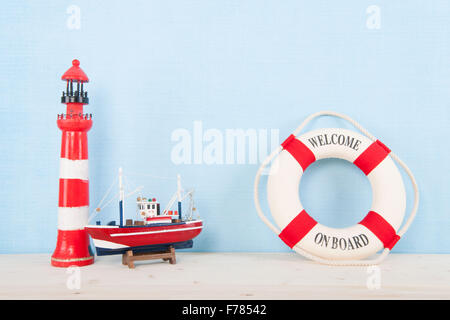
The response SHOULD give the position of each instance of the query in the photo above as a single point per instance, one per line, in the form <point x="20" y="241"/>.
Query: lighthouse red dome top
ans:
<point x="75" y="73"/>
<point x="75" y="76"/>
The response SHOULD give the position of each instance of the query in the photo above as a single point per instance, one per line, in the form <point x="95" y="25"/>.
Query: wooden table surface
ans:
<point x="226" y="276"/>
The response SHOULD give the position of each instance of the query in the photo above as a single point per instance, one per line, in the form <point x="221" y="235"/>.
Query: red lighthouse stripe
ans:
<point x="68" y="237"/>
<point x="299" y="151"/>
<point x="73" y="193"/>
<point x="297" y="229"/>
<point x="74" y="145"/>
<point x="381" y="229"/>
<point x="372" y="157"/>
<point x="72" y="249"/>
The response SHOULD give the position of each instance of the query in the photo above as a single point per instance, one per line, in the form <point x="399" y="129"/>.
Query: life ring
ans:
<point x="378" y="230"/>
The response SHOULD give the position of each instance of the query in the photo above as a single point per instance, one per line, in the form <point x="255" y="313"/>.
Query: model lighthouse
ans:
<point x="72" y="247"/>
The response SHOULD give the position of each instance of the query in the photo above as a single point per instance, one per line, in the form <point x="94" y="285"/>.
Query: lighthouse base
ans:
<point x="81" y="262"/>
<point x="72" y="249"/>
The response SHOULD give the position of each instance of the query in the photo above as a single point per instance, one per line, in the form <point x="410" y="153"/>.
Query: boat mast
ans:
<point x="179" y="195"/>
<point x="121" y="196"/>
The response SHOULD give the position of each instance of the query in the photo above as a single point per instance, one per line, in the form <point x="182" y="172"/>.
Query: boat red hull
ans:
<point x="119" y="238"/>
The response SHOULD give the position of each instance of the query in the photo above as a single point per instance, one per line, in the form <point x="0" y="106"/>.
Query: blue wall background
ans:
<point x="157" y="66"/>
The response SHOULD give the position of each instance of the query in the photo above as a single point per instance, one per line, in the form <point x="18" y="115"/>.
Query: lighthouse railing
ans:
<point x="68" y="116"/>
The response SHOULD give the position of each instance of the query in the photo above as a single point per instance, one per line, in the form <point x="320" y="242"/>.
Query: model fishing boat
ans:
<point x="154" y="230"/>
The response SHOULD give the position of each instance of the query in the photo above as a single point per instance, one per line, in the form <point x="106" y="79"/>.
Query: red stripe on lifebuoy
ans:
<point x="73" y="193"/>
<point x="297" y="229"/>
<point x="299" y="151"/>
<point x="372" y="157"/>
<point x="381" y="229"/>
<point x="74" y="145"/>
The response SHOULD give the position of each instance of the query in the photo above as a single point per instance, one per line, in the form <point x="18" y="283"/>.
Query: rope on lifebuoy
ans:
<point x="314" y="257"/>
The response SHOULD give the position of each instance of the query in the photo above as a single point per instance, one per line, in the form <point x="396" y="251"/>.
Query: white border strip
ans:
<point x="192" y="221"/>
<point x="112" y="227"/>
<point x="72" y="218"/>
<point x="150" y="232"/>
<point x="101" y="227"/>
<point x="108" y="244"/>
<point x="74" y="169"/>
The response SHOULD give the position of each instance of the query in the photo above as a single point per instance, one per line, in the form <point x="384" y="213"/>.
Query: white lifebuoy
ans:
<point x="379" y="227"/>
<point x="378" y="230"/>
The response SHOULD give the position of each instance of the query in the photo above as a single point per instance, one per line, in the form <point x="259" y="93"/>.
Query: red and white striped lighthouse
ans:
<point x="72" y="247"/>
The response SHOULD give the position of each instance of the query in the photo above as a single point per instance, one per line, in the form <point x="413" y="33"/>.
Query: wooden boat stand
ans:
<point x="129" y="257"/>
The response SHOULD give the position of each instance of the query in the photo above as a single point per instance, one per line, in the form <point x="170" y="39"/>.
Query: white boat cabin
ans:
<point x="149" y="210"/>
